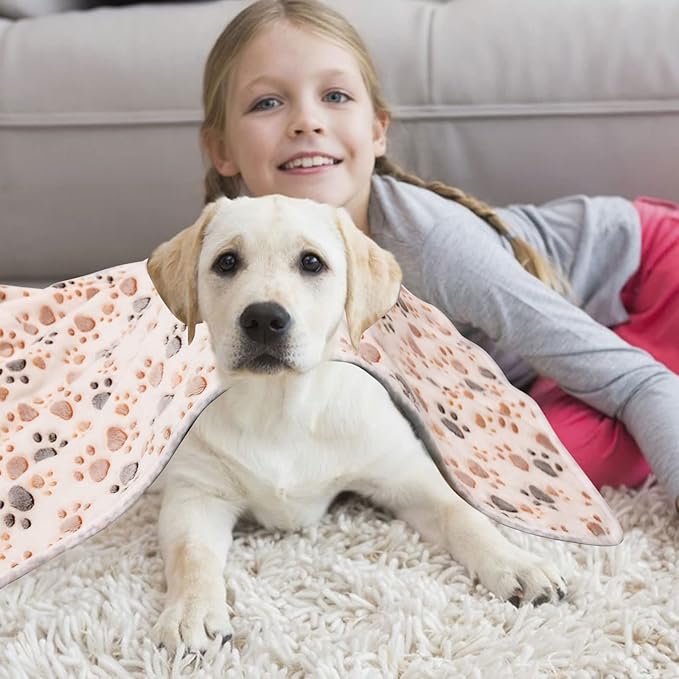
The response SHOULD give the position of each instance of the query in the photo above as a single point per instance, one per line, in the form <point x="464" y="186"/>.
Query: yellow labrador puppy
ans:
<point x="273" y="278"/>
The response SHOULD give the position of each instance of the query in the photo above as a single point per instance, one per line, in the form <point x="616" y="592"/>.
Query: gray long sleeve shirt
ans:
<point x="460" y="264"/>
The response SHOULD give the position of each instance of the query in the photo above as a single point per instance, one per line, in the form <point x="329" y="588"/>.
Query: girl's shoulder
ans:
<point x="405" y="213"/>
<point x="434" y="238"/>
<point x="402" y="211"/>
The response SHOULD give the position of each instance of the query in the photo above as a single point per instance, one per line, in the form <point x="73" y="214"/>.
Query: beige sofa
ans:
<point x="514" y="100"/>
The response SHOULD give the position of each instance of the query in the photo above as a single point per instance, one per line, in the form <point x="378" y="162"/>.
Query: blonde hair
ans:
<point x="320" y="19"/>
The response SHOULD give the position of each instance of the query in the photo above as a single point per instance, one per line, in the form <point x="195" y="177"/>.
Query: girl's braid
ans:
<point x="529" y="258"/>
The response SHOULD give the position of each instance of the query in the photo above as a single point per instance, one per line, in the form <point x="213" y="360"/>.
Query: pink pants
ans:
<point x="600" y="444"/>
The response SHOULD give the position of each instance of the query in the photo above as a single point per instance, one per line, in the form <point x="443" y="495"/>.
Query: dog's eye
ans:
<point x="226" y="263"/>
<point x="312" y="263"/>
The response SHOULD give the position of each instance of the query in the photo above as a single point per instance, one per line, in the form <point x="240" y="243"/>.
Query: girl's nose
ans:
<point x="305" y="121"/>
<point x="299" y="130"/>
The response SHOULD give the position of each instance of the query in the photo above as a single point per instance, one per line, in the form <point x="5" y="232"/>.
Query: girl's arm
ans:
<point x="474" y="281"/>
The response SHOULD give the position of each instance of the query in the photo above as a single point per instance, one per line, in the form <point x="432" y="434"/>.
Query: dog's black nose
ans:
<point x="265" y="322"/>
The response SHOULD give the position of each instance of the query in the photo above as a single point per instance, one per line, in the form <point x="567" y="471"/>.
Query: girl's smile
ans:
<point x="309" y="162"/>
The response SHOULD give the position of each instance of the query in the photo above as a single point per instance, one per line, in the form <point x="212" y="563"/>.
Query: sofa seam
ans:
<point x="404" y="112"/>
<point x="554" y="109"/>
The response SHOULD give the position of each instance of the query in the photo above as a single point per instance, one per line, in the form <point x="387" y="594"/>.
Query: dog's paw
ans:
<point x="195" y="622"/>
<point x="521" y="577"/>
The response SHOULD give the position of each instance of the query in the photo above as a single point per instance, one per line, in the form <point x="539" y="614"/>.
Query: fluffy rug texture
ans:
<point x="360" y="595"/>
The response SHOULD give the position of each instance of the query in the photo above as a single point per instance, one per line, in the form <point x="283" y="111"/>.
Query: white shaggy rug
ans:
<point x="358" y="596"/>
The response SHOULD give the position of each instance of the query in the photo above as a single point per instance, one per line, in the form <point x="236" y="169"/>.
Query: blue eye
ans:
<point x="336" y="97"/>
<point x="266" y="104"/>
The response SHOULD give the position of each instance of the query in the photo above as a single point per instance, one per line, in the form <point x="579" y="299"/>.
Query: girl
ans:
<point x="293" y="106"/>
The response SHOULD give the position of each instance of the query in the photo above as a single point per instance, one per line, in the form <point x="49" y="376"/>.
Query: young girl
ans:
<point x="293" y="106"/>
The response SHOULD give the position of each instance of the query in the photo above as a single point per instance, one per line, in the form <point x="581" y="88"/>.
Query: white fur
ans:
<point x="279" y="447"/>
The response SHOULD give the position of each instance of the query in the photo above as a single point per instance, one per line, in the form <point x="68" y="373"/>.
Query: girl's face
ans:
<point x="300" y="122"/>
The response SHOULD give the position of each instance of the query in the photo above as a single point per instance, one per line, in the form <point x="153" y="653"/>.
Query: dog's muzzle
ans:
<point x="265" y="326"/>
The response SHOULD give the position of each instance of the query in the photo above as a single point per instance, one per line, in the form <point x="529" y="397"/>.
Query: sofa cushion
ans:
<point x="513" y="101"/>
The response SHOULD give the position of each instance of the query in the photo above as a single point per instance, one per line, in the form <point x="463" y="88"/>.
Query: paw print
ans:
<point x="10" y="519"/>
<point x="127" y="473"/>
<point x="48" y="445"/>
<point x="173" y="342"/>
<point x="14" y="372"/>
<point x="407" y="391"/>
<point x="108" y="352"/>
<point x="48" y="340"/>
<point x="139" y="306"/>
<point x="101" y="397"/>
<point x="387" y="324"/>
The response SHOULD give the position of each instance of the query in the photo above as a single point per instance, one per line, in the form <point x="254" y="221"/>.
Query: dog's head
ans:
<point x="272" y="278"/>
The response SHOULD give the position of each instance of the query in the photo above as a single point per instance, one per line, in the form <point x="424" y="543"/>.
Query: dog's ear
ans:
<point x="173" y="269"/>
<point x="373" y="278"/>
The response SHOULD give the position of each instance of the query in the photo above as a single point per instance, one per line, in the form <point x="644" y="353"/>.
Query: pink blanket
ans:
<point x="98" y="386"/>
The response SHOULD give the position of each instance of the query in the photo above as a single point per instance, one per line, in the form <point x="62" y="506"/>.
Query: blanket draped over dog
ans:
<point x="98" y="387"/>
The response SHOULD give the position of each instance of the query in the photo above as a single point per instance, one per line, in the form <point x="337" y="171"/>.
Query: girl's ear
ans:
<point x="380" y="127"/>
<point x="216" y="148"/>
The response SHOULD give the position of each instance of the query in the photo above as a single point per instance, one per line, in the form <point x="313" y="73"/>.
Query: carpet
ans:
<point x="360" y="595"/>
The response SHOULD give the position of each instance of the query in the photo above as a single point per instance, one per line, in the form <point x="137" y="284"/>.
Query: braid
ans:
<point x="217" y="185"/>
<point x="529" y="258"/>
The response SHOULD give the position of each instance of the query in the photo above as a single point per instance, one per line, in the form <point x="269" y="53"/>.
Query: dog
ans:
<point x="273" y="278"/>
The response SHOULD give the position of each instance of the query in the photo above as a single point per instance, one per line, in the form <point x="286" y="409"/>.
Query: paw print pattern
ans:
<point x="86" y="392"/>
<point x="49" y="445"/>
<point x="139" y="306"/>
<point x="173" y="342"/>
<point x="107" y="352"/>
<point x="127" y="473"/>
<point x="492" y="443"/>
<point x="71" y="521"/>
<point x="103" y="394"/>
<point x="48" y="339"/>
<point x="10" y="519"/>
<point x="19" y="500"/>
<point x="14" y="371"/>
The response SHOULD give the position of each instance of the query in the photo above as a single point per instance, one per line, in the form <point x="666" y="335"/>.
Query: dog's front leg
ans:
<point x="417" y="493"/>
<point x="195" y="533"/>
